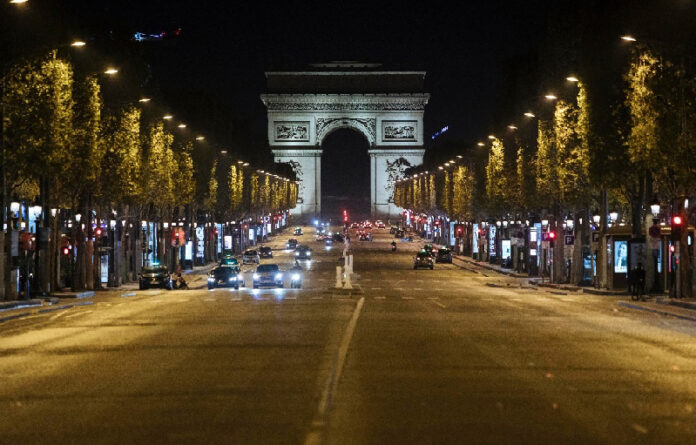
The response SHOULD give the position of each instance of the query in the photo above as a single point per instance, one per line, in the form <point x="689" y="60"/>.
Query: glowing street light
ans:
<point x="17" y="2"/>
<point x="223" y="152"/>
<point x="240" y="162"/>
<point x="551" y="97"/>
<point x="78" y="44"/>
<point x="111" y="71"/>
<point x="512" y="127"/>
<point x="480" y="144"/>
<point x="182" y="125"/>
<point x="144" y="100"/>
<point x="200" y="138"/>
<point x="529" y="114"/>
<point x="167" y="117"/>
<point x="628" y="38"/>
<point x="572" y="79"/>
<point x="491" y="137"/>
<point x="246" y="164"/>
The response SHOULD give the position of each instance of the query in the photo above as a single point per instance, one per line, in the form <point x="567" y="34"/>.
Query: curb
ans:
<point x="65" y="306"/>
<point x="19" y="304"/>
<point x="77" y="295"/>
<point x="673" y="302"/>
<point x="655" y="311"/>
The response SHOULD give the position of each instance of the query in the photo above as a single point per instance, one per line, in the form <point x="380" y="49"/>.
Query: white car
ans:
<point x="251" y="256"/>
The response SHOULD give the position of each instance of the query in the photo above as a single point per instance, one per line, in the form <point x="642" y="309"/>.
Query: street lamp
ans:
<point x="572" y="79"/>
<point x="200" y="138"/>
<point x="596" y="218"/>
<point x="613" y="216"/>
<point x="78" y="44"/>
<point x="111" y="71"/>
<point x="544" y="222"/>
<point x="144" y="100"/>
<point x="491" y="137"/>
<point x="78" y="217"/>
<point x="628" y="38"/>
<point x="480" y="144"/>
<point x="512" y="127"/>
<point x="551" y="96"/>
<point x="182" y="125"/>
<point x="529" y="114"/>
<point x="167" y="117"/>
<point x="655" y="207"/>
<point x="17" y="2"/>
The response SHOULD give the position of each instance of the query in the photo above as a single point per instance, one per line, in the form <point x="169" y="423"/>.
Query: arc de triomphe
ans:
<point x="385" y="106"/>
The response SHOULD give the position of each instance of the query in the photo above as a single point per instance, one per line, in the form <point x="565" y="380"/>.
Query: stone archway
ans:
<point x="387" y="107"/>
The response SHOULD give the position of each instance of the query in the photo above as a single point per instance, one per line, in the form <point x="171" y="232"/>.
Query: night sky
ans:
<point x="212" y="74"/>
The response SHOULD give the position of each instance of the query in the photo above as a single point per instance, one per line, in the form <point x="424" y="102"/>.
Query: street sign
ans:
<point x="569" y="240"/>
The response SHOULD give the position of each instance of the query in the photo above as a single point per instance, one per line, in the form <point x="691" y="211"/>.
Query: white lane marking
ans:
<point x="375" y="288"/>
<point x="77" y="314"/>
<point x="315" y="436"/>
<point x="380" y="298"/>
<point x="290" y="298"/>
<point x="210" y="299"/>
<point x="154" y="301"/>
<point x="59" y="314"/>
<point x="433" y="298"/>
<point x="236" y="299"/>
<point x="317" y="298"/>
<point x="516" y="299"/>
<point x="183" y="300"/>
<point x="407" y="298"/>
<point x="440" y="304"/>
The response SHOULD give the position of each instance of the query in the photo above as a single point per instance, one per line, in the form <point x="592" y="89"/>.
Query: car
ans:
<point x="380" y="225"/>
<point x="337" y="237"/>
<point x="423" y="259"/>
<point x="155" y="275"/>
<point x="354" y="226"/>
<point x="443" y="255"/>
<point x="399" y="233"/>
<point x="298" y="231"/>
<point x="265" y="252"/>
<point x="365" y="237"/>
<point x="392" y="230"/>
<point x="428" y="248"/>
<point x="303" y="253"/>
<point x="291" y="244"/>
<point x="267" y="275"/>
<point x="225" y="276"/>
<point x="228" y="260"/>
<point x="251" y="256"/>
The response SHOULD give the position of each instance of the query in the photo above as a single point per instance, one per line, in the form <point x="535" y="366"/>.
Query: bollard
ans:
<point x="347" y="285"/>
<point x="339" y="284"/>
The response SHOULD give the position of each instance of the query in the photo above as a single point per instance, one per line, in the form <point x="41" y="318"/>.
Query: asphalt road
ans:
<point x="416" y="357"/>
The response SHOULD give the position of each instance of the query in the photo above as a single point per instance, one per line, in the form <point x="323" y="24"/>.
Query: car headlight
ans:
<point x="256" y="276"/>
<point x="309" y="253"/>
<point x="295" y="277"/>
<point x="297" y="253"/>
<point x="233" y="279"/>
<point x="211" y="279"/>
<point x="279" y="276"/>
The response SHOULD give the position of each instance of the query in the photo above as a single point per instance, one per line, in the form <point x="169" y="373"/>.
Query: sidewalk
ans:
<point x="493" y="267"/>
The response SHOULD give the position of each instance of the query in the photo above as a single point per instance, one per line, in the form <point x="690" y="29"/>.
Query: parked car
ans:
<point x="443" y="255"/>
<point x="291" y="244"/>
<point x="225" y="276"/>
<point x="251" y="256"/>
<point x="155" y="276"/>
<point x="267" y="275"/>
<point x="423" y="259"/>
<point x="265" y="252"/>
<point x="303" y="253"/>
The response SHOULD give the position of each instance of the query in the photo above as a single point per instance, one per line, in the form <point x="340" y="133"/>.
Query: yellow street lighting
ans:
<point x="551" y="97"/>
<point x="167" y="117"/>
<point x="458" y="157"/>
<point x="182" y="125"/>
<point x="240" y="162"/>
<point x="491" y="137"/>
<point x="529" y="114"/>
<point x="512" y="127"/>
<point x="200" y="138"/>
<point x="18" y="1"/>
<point x="441" y="168"/>
<point x="572" y="79"/>
<point x="246" y="164"/>
<point x="447" y="164"/>
<point x="78" y="44"/>
<point x="111" y="71"/>
<point x="481" y="144"/>
<point x="224" y="152"/>
<point x="628" y="38"/>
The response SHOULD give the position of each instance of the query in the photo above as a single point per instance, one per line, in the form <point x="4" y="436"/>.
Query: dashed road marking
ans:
<point x="77" y="314"/>
<point x="210" y="299"/>
<point x="380" y="298"/>
<point x="407" y="298"/>
<point x="375" y="288"/>
<point x="317" y="298"/>
<point x="440" y="304"/>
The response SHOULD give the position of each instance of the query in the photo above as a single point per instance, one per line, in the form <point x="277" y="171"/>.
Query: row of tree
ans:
<point x="580" y="159"/>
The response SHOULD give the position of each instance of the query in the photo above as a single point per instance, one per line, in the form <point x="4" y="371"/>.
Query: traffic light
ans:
<point x="552" y="239"/>
<point x="459" y="231"/>
<point x="677" y="224"/>
<point x="65" y="251"/>
<point x="345" y="216"/>
<point x="98" y="232"/>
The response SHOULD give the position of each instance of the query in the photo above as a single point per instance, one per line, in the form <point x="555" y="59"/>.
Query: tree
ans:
<point x="497" y="188"/>
<point x="462" y="189"/>
<point x="160" y="168"/>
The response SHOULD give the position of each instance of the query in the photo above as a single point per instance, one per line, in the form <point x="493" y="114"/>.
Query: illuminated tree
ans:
<point x="497" y="187"/>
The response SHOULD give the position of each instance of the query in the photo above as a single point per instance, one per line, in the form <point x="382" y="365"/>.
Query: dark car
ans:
<point x="423" y="259"/>
<point x="337" y="237"/>
<point x="268" y="275"/>
<point x="429" y="248"/>
<point x="225" y="276"/>
<point x="291" y="244"/>
<point x="251" y="256"/>
<point x="298" y="231"/>
<point x="398" y="233"/>
<point x="443" y="255"/>
<point x="265" y="252"/>
<point x="155" y="276"/>
<point x="303" y="253"/>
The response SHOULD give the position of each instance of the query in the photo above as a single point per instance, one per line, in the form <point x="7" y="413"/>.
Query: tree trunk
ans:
<point x="578" y="247"/>
<point x="602" y="260"/>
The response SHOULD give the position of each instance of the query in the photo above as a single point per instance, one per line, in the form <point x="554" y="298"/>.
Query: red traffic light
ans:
<point x="676" y="220"/>
<point x="552" y="235"/>
<point x="98" y="232"/>
<point x="66" y="251"/>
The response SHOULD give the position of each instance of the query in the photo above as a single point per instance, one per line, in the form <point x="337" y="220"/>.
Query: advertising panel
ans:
<point x="620" y="256"/>
<point x="475" y="238"/>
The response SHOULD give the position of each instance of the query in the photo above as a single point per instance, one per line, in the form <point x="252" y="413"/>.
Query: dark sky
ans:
<point x="212" y="74"/>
